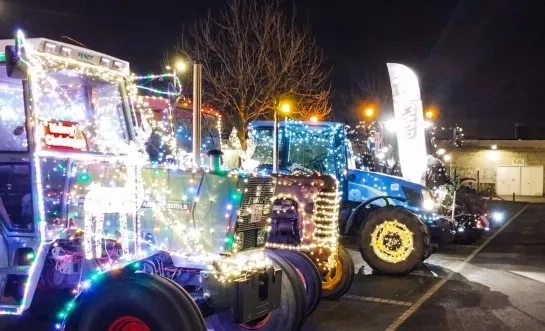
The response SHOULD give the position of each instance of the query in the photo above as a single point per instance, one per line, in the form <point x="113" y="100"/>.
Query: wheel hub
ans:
<point x="128" y="323"/>
<point x="332" y="276"/>
<point x="257" y="323"/>
<point x="392" y="241"/>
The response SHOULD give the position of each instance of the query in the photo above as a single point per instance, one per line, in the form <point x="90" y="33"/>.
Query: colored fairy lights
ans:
<point x="79" y="187"/>
<point x="320" y="226"/>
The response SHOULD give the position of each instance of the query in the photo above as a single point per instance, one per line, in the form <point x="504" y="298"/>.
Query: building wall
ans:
<point x="484" y="163"/>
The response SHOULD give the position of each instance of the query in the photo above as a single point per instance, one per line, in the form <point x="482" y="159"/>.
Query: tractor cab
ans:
<point x="303" y="147"/>
<point x="65" y="132"/>
<point x="323" y="147"/>
<point x="172" y="129"/>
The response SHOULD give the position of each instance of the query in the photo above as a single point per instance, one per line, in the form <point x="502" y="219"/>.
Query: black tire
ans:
<point x="473" y="203"/>
<point x="289" y="315"/>
<point x="420" y="237"/>
<point x="309" y="274"/>
<point x="473" y="235"/>
<point x="347" y="277"/>
<point x="156" y="302"/>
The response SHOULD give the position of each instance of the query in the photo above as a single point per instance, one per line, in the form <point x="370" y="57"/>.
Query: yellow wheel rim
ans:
<point x="332" y="277"/>
<point x="392" y="241"/>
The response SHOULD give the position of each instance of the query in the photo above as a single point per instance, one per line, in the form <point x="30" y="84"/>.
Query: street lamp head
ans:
<point x="314" y="119"/>
<point x="369" y="112"/>
<point x="429" y="114"/>
<point x="285" y="108"/>
<point x="181" y="65"/>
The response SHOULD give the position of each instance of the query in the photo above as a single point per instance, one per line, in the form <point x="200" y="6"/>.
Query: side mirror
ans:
<point x="14" y="69"/>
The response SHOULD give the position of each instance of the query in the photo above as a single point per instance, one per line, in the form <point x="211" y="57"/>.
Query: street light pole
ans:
<point x="197" y="89"/>
<point x="275" y="141"/>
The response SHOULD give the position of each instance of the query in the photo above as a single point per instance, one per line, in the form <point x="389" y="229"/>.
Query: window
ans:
<point x="12" y="115"/>
<point x="95" y="105"/>
<point x="53" y="181"/>
<point x="82" y="177"/>
<point x="264" y="141"/>
<point x="183" y="124"/>
<point x="312" y="148"/>
<point x="16" y="210"/>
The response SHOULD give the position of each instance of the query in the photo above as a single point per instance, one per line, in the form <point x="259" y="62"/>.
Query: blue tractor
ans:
<point x="394" y="219"/>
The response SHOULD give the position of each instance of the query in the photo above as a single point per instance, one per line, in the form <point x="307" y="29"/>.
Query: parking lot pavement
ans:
<point x="496" y="284"/>
<point x="499" y="287"/>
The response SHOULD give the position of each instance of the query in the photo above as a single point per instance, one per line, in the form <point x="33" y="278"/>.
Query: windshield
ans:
<point x="91" y="109"/>
<point x="310" y="147"/>
<point x="12" y="114"/>
<point x="313" y="147"/>
<point x="183" y="123"/>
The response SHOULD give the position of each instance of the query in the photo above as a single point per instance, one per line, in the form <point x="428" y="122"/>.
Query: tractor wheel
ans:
<point x="309" y="274"/>
<point x="474" y="204"/>
<point x="289" y="315"/>
<point x="135" y="301"/>
<point x="338" y="280"/>
<point x="394" y="241"/>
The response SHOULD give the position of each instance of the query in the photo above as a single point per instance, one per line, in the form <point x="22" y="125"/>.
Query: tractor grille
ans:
<point x="250" y="239"/>
<point x="255" y="209"/>
<point x="326" y="215"/>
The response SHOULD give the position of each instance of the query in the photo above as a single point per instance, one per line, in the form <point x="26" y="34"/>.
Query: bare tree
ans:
<point x="253" y="56"/>
<point x="366" y="90"/>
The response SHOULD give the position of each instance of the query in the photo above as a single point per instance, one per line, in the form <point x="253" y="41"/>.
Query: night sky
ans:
<point x="482" y="62"/>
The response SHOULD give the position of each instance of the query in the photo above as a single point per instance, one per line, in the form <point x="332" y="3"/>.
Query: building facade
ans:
<point x="503" y="166"/>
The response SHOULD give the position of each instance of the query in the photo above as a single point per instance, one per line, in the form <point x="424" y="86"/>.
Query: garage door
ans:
<point x="531" y="180"/>
<point x="521" y="180"/>
<point x="508" y="181"/>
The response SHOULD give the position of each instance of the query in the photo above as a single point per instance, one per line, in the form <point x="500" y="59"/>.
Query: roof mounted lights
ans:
<point x="105" y="62"/>
<point x="49" y="48"/>
<point x="118" y="66"/>
<point x="66" y="51"/>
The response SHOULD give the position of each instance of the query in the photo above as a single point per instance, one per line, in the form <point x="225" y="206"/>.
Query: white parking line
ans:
<point x="379" y="300"/>
<point x="442" y="282"/>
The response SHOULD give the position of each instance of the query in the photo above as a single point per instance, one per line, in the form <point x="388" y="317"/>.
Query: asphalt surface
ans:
<point x="495" y="284"/>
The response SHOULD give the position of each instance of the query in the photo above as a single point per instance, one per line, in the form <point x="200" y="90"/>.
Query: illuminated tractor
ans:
<point x="470" y="215"/>
<point x="257" y="213"/>
<point x="75" y="212"/>
<point x="392" y="217"/>
<point x="305" y="220"/>
<point x="171" y="125"/>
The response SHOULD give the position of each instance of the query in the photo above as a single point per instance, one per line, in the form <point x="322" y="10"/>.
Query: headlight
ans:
<point x="428" y="203"/>
<point x="497" y="216"/>
<point x="262" y="235"/>
<point x="239" y="240"/>
<point x="441" y="193"/>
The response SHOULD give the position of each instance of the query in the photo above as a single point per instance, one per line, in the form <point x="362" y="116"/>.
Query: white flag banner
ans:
<point x="409" y="118"/>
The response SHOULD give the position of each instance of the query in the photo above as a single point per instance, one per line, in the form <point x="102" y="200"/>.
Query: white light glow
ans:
<point x="498" y="216"/>
<point x="391" y="125"/>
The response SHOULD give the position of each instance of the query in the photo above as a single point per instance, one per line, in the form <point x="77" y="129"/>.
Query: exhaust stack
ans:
<point x="215" y="160"/>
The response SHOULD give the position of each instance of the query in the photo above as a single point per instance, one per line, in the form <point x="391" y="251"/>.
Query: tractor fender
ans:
<point x="367" y="202"/>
